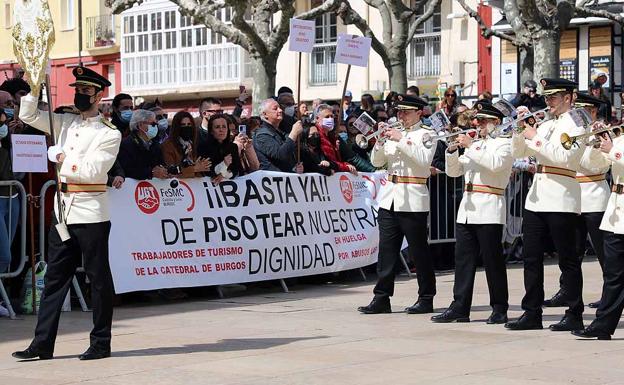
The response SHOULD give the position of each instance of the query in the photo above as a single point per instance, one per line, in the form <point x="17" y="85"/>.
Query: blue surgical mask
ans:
<point x="289" y="111"/>
<point x="126" y="115"/>
<point x="152" y="131"/>
<point x="344" y="136"/>
<point x="163" y="124"/>
<point x="328" y="123"/>
<point x="4" y="131"/>
<point x="9" y="112"/>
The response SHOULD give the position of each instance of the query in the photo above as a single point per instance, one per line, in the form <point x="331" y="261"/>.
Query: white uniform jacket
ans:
<point x="406" y="158"/>
<point x="90" y="147"/>
<point x="486" y="166"/>
<point x="552" y="192"/>
<point x="613" y="219"/>
<point x="591" y="176"/>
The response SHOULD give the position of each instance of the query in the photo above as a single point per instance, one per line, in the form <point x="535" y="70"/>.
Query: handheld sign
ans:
<point x="439" y="121"/>
<point x="302" y="35"/>
<point x="364" y="123"/>
<point x="353" y="50"/>
<point x="506" y="108"/>
<point x="30" y="153"/>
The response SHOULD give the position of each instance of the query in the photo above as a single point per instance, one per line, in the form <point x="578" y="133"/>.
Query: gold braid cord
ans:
<point x="33" y="38"/>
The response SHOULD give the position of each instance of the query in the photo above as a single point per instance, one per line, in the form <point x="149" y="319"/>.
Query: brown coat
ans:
<point x="173" y="155"/>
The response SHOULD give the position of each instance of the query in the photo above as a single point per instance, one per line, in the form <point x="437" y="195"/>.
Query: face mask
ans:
<point x="126" y="115"/>
<point x="186" y="133"/>
<point x="163" y="124"/>
<point x="4" y="131"/>
<point x="82" y="102"/>
<point x="9" y="112"/>
<point x="314" y="140"/>
<point x="290" y="111"/>
<point x="328" y="123"/>
<point x="152" y="131"/>
<point x="344" y="136"/>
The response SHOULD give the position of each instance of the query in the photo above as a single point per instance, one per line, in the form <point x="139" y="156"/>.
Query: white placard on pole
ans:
<point x="30" y="153"/>
<point x="353" y="50"/>
<point x="302" y="35"/>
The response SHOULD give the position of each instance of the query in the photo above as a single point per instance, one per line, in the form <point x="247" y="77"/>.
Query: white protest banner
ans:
<point x="30" y="153"/>
<point x="263" y="226"/>
<point x="302" y="35"/>
<point x="353" y="50"/>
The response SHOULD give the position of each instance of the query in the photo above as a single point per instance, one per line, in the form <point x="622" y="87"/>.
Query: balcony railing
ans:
<point x="183" y="68"/>
<point x="100" y="31"/>
<point x="424" y="56"/>
<point x="323" y="65"/>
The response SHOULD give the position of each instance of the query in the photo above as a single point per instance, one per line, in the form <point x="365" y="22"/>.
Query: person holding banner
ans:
<point x="552" y="205"/>
<point x="486" y="167"/>
<point x="87" y="148"/>
<point x="403" y="207"/>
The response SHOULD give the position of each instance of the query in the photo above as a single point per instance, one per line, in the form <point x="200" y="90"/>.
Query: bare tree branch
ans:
<point x="327" y="6"/>
<point x="424" y="17"/>
<point x="487" y="31"/>
<point x="587" y="12"/>
<point x="118" y="6"/>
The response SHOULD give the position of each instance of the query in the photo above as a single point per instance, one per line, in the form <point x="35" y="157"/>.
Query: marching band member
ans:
<point x="552" y="206"/>
<point x="486" y="166"/>
<point x="594" y="196"/>
<point x="403" y="207"/>
<point x="87" y="147"/>
<point x="612" y="301"/>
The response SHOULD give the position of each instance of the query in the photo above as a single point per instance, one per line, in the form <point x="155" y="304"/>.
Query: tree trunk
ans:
<point x="263" y="81"/>
<point x="546" y="55"/>
<point x="526" y="65"/>
<point x="397" y="72"/>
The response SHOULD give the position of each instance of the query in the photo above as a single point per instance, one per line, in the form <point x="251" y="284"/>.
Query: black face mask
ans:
<point x="186" y="133"/>
<point x="82" y="102"/>
<point x="314" y="140"/>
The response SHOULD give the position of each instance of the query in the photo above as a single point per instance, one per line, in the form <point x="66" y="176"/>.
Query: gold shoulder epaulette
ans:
<point x="109" y="124"/>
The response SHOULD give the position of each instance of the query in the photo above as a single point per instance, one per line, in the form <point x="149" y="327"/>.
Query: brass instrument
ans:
<point x="362" y="140"/>
<point x="428" y="140"/>
<point x="568" y="141"/>
<point x="506" y="129"/>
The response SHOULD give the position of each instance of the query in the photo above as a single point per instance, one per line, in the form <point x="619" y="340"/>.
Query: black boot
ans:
<point x="567" y="324"/>
<point x="422" y="306"/>
<point x="377" y="306"/>
<point x="450" y="315"/>
<point x="497" y="318"/>
<point x="32" y="353"/>
<point x="526" y="322"/>
<point x="591" y="332"/>
<point x="557" y="300"/>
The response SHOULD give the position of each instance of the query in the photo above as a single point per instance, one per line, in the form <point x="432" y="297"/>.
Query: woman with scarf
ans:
<point x="221" y="150"/>
<point x="179" y="150"/>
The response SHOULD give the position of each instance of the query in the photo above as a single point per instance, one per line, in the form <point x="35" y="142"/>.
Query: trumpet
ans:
<point x="506" y="129"/>
<point x="428" y="140"/>
<point x="568" y="141"/>
<point x="362" y="140"/>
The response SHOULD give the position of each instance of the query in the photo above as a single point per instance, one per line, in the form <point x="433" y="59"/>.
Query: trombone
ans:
<point x="568" y="141"/>
<point x="506" y="129"/>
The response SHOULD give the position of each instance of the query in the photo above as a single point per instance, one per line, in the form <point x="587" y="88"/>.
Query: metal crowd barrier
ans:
<point x="515" y="195"/>
<point x="23" y="256"/>
<point x="445" y="194"/>
<point x="42" y="243"/>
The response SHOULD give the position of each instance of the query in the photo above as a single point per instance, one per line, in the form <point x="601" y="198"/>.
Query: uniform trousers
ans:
<point x="393" y="227"/>
<point x="612" y="300"/>
<point x="485" y="240"/>
<point x="561" y="227"/>
<point x="91" y="242"/>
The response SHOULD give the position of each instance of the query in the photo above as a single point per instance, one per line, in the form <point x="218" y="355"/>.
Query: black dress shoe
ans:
<point x="32" y="353"/>
<point x="557" y="300"/>
<point x="377" y="306"/>
<point x="94" y="354"/>
<point x="420" y="307"/>
<point x="450" y="315"/>
<point x="567" y="324"/>
<point x="525" y="322"/>
<point x="591" y="332"/>
<point x="497" y="318"/>
<point x="594" y="305"/>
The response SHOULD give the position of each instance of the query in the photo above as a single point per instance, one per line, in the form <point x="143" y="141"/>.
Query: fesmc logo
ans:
<point x="346" y="188"/>
<point x="148" y="198"/>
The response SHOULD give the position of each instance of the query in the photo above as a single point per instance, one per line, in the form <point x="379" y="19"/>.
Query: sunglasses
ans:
<point x="447" y="95"/>
<point x="160" y="117"/>
<point x="213" y="111"/>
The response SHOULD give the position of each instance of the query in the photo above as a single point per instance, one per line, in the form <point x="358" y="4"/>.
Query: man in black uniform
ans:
<point x="87" y="147"/>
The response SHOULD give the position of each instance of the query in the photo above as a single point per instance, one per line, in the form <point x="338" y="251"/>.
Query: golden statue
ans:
<point x="33" y="38"/>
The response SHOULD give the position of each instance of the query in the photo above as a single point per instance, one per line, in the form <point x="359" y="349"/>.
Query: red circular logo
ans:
<point x="618" y="155"/>
<point x="146" y="197"/>
<point x="346" y="188"/>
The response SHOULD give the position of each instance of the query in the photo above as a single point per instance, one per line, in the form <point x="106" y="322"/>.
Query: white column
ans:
<point x="496" y="65"/>
<point x="583" y="58"/>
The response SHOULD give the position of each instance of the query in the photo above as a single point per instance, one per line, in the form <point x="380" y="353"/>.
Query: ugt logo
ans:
<point x="346" y="188"/>
<point x="146" y="197"/>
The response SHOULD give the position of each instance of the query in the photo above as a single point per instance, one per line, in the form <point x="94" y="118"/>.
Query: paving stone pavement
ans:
<point x="313" y="335"/>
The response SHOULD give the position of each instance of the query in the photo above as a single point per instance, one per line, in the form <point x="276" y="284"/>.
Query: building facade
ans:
<point x="100" y="45"/>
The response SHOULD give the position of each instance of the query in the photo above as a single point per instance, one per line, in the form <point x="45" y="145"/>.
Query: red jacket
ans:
<point x="331" y="150"/>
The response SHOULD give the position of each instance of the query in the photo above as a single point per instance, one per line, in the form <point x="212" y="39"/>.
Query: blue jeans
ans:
<point x="7" y="233"/>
